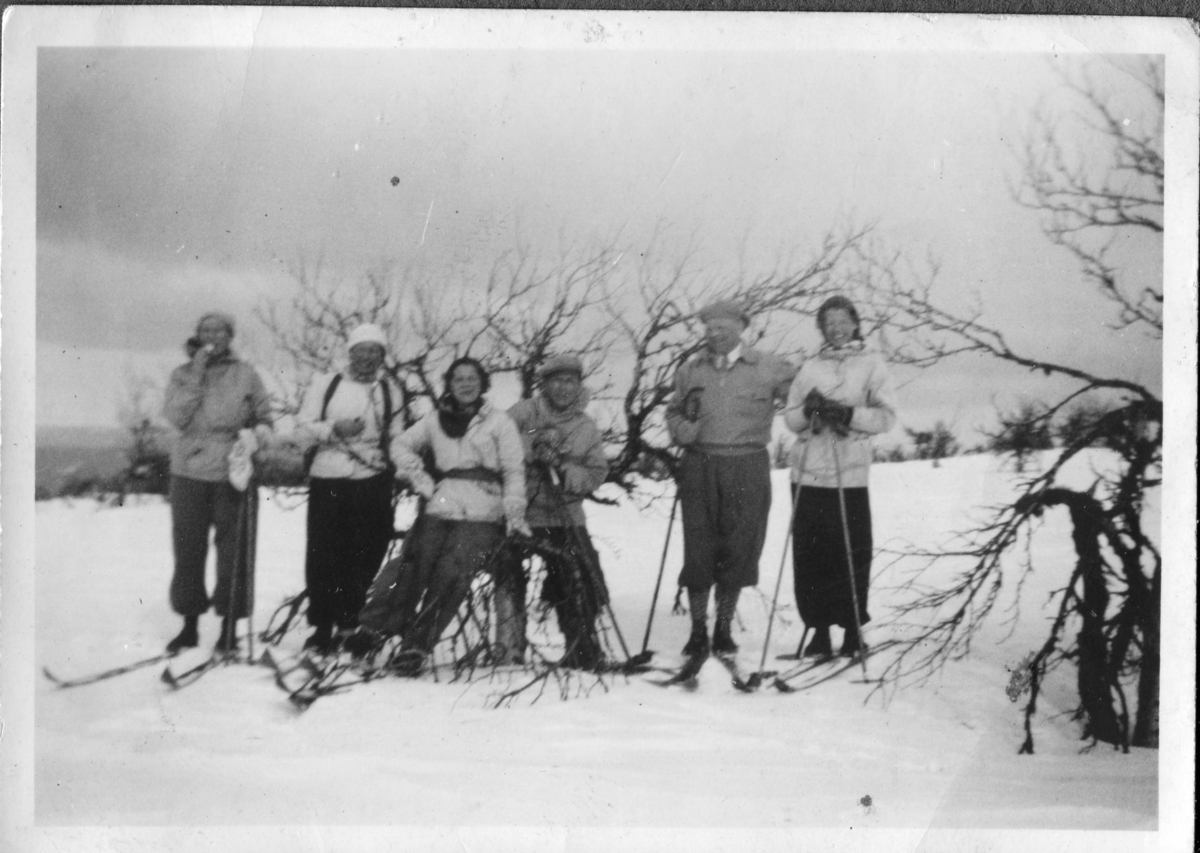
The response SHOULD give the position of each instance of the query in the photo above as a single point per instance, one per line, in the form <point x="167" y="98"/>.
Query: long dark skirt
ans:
<point x="823" y="593"/>
<point x="349" y="529"/>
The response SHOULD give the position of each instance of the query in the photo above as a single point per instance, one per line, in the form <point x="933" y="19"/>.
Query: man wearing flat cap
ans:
<point x="720" y="414"/>
<point x="565" y="463"/>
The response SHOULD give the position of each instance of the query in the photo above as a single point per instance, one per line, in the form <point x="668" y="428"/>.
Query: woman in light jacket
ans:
<point x="209" y="400"/>
<point x="348" y="417"/>
<point x="474" y="493"/>
<point x="840" y="397"/>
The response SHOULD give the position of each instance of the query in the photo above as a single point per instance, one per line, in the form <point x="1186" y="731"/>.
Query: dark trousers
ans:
<point x="448" y="555"/>
<point x="822" y="581"/>
<point x="349" y="529"/>
<point x="725" y="501"/>
<point x="196" y="507"/>
<point x="573" y="585"/>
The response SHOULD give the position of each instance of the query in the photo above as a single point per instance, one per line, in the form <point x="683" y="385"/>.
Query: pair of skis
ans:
<point x="688" y="674"/>
<point x="826" y="668"/>
<point x="106" y="674"/>
<point x="182" y="679"/>
<point x="305" y="678"/>
<point x="194" y="673"/>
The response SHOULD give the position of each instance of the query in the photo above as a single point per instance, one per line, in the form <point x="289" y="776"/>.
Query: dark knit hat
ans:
<point x="723" y="309"/>
<point x="226" y="319"/>
<point x="841" y="303"/>
<point x="561" y="364"/>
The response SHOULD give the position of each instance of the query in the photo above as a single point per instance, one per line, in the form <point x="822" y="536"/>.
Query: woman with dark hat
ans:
<point x="209" y="400"/>
<point x="348" y="417"/>
<point x="838" y="400"/>
<point x="474" y="492"/>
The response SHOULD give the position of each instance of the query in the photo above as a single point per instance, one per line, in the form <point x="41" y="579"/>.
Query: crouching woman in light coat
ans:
<point x="475" y="493"/>
<point x="840" y="397"/>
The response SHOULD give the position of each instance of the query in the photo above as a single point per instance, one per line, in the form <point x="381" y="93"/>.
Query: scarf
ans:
<point x="454" y="417"/>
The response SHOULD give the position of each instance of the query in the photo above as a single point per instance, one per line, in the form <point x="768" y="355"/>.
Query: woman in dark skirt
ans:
<point x="349" y="417"/>
<point x="839" y="399"/>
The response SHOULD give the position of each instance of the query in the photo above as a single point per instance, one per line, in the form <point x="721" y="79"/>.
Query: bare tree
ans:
<point x="532" y="309"/>
<point x="936" y="444"/>
<point x="148" y="458"/>
<point x="1088" y="196"/>
<point x="653" y="303"/>
<point x="1022" y="432"/>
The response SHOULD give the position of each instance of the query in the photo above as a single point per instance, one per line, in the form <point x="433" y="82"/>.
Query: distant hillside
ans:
<point x="63" y="453"/>
<point x="81" y="436"/>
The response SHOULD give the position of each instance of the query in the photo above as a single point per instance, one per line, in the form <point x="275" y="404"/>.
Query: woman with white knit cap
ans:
<point x="348" y="417"/>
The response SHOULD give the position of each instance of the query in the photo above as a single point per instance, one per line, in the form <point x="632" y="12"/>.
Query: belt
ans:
<point x="728" y="449"/>
<point x="478" y="474"/>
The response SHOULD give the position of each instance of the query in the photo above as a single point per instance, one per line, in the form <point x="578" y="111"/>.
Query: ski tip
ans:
<point x="301" y="701"/>
<point x="639" y="660"/>
<point x="168" y="678"/>
<point x="46" y="672"/>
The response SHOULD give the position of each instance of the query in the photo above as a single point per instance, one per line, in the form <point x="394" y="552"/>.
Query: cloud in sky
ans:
<point x="171" y="180"/>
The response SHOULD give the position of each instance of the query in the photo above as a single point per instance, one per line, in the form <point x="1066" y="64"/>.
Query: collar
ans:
<point x="574" y="410"/>
<point x="373" y="380"/>
<point x="739" y="353"/>
<point x="852" y="348"/>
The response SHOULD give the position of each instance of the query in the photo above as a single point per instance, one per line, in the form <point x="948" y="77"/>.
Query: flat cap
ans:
<point x="561" y="364"/>
<point x="724" y="309"/>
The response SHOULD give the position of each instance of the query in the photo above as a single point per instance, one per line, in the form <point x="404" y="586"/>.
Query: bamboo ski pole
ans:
<point x="837" y="467"/>
<point x="756" y="678"/>
<point x="662" y="564"/>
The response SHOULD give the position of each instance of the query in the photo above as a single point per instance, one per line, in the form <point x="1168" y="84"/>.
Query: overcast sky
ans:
<point x="172" y="180"/>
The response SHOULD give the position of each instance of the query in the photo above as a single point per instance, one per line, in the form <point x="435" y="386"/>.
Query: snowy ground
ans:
<point x="633" y="761"/>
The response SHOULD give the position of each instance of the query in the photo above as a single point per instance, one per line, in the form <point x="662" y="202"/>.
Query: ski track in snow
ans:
<point x="230" y="749"/>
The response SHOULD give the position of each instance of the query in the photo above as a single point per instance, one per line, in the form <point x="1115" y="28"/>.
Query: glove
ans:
<point x="837" y="417"/>
<point x="831" y="415"/>
<point x="348" y="427"/>
<point x="547" y="448"/>
<point x="422" y="484"/>
<point x="813" y="403"/>
<point x="691" y="404"/>
<point x="514" y="518"/>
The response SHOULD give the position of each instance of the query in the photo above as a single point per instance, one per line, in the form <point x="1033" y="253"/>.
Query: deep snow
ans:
<point x="230" y="751"/>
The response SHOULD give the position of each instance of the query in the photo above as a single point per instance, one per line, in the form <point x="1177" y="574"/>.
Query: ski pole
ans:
<point x="250" y="557"/>
<point x="587" y="554"/>
<point x="229" y="626"/>
<point x="803" y="639"/>
<point x="662" y="564"/>
<point x="837" y="467"/>
<point x="756" y="678"/>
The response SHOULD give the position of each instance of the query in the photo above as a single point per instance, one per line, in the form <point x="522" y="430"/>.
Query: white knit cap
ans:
<point x="367" y="333"/>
